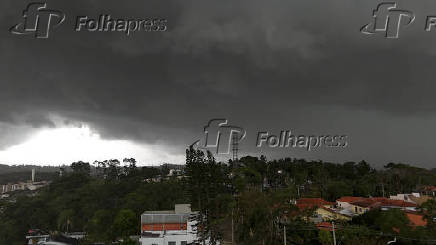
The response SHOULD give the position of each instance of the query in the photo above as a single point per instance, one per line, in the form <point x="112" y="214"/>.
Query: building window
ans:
<point x="360" y="209"/>
<point x="171" y="243"/>
<point x="355" y="209"/>
<point x="183" y="242"/>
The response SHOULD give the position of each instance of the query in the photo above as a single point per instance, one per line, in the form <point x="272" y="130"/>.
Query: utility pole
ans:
<point x="284" y="234"/>
<point x="334" y="235"/>
<point x="233" y="230"/>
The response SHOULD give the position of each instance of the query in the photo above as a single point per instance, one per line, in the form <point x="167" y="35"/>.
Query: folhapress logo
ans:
<point x="222" y="138"/>
<point x="388" y="19"/>
<point x="219" y="135"/>
<point x="38" y="20"/>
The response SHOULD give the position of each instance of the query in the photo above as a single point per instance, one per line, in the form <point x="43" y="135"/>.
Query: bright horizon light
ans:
<point x="58" y="146"/>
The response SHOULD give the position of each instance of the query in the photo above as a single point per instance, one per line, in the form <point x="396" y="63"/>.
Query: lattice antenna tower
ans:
<point x="235" y="146"/>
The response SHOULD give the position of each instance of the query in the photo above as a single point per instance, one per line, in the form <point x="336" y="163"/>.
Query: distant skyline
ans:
<point x="264" y="65"/>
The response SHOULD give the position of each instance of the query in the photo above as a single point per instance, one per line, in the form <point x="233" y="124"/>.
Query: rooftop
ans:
<point x="304" y="203"/>
<point x="180" y="214"/>
<point x="348" y="199"/>
<point x="416" y="219"/>
<point x="381" y="201"/>
<point x="327" y="226"/>
<point x="428" y="188"/>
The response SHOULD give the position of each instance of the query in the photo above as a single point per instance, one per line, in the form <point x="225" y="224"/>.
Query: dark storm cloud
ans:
<point x="263" y="64"/>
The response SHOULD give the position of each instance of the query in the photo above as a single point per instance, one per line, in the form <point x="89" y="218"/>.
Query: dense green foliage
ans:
<point x="261" y="194"/>
<point x="254" y="194"/>
<point x="106" y="207"/>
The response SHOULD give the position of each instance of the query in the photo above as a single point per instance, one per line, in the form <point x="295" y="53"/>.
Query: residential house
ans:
<point x="405" y="197"/>
<point x="389" y="204"/>
<point x="365" y="204"/>
<point x="323" y="210"/>
<point x="328" y="214"/>
<point x="422" y="199"/>
<point x="173" y="227"/>
<point x="307" y="203"/>
<point x="428" y="190"/>
<point x="345" y="202"/>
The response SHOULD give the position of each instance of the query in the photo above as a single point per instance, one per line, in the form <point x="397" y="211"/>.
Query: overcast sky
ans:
<point x="263" y="65"/>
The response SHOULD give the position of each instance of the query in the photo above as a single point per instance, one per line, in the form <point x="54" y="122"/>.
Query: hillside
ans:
<point x="22" y="173"/>
<point x="106" y="202"/>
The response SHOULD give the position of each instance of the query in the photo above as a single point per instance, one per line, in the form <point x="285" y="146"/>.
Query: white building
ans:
<point x="345" y="202"/>
<point x="174" y="227"/>
<point x="405" y="197"/>
<point x="21" y="186"/>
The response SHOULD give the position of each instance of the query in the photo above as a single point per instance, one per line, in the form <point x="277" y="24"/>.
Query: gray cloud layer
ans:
<point x="265" y="65"/>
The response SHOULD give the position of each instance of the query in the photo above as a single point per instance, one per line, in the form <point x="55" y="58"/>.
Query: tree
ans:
<point x="97" y="226"/>
<point x="207" y="185"/>
<point x="353" y="234"/>
<point x="254" y="218"/>
<point x="112" y="169"/>
<point x="81" y="167"/>
<point x="337" y="189"/>
<point x="301" y="232"/>
<point x="65" y="220"/>
<point x="107" y="205"/>
<point x="128" y="242"/>
<point x="129" y="167"/>
<point x="125" y="224"/>
<point x="429" y="211"/>
<point x="325" y="237"/>
<point x="392" y="220"/>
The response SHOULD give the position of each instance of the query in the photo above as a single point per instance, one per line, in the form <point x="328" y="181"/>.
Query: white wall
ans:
<point x="172" y="236"/>
<point x="345" y="205"/>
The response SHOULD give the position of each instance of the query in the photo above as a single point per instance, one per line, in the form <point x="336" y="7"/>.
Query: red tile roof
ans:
<point x="416" y="219"/>
<point x="382" y="201"/>
<point x="325" y="226"/>
<point x="366" y="203"/>
<point x="304" y="203"/>
<point x="398" y="203"/>
<point x="348" y="199"/>
<point x="379" y="199"/>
